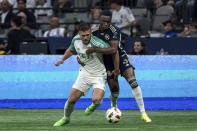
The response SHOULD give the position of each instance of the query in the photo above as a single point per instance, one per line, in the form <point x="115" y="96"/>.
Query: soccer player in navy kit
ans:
<point x="111" y="34"/>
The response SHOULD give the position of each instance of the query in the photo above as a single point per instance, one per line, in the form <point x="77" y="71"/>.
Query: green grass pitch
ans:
<point x="43" y="120"/>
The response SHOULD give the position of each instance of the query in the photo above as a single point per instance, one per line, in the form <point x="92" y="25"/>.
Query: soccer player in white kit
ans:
<point x="92" y="73"/>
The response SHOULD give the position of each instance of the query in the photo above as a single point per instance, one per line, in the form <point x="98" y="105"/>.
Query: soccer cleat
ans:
<point x="61" y="122"/>
<point x="90" y="109"/>
<point x="145" y="118"/>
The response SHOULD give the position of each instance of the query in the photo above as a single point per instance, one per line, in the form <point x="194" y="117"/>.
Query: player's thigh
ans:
<point x="74" y="95"/>
<point x="126" y="68"/>
<point x="99" y="85"/>
<point x="97" y="94"/>
<point x="129" y="73"/>
<point x="78" y="88"/>
<point x="82" y="83"/>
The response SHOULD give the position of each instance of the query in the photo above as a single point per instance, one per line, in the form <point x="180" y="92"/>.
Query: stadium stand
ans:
<point x="165" y="67"/>
<point x="148" y="19"/>
<point x="34" y="47"/>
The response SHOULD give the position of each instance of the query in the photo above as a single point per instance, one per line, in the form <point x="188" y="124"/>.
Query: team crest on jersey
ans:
<point x="107" y="36"/>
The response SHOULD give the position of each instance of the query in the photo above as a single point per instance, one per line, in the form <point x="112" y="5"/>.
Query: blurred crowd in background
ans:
<point x="31" y="19"/>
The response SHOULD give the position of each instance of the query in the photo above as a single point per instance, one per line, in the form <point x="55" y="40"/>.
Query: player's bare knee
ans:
<point x="129" y="73"/>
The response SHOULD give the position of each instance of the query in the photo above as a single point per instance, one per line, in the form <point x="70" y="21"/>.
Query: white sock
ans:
<point x="137" y="93"/>
<point x="68" y="109"/>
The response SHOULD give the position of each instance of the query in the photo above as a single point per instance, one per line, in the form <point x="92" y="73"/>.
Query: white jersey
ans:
<point x="43" y="12"/>
<point x="122" y="18"/>
<point x="56" y="32"/>
<point x="94" y="64"/>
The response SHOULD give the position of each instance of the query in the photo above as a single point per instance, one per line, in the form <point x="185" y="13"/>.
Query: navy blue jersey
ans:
<point x="110" y="34"/>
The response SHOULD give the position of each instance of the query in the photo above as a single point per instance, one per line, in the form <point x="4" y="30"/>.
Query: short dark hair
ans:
<point x="118" y="2"/>
<point x="168" y="22"/>
<point x="25" y="1"/>
<point x="17" y="20"/>
<point x="106" y="13"/>
<point x="165" y="2"/>
<point x="84" y="27"/>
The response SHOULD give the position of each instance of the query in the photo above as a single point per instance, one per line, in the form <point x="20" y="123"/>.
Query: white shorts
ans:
<point x="85" y="81"/>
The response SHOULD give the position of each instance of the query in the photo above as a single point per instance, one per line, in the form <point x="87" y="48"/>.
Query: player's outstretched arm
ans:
<point x="67" y="54"/>
<point x="128" y="25"/>
<point x="116" y="70"/>
<point x="110" y="50"/>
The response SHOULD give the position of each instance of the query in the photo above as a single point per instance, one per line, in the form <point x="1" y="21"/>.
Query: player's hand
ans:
<point x="59" y="62"/>
<point x="116" y="72"/>
<point x="79" y="61"/>
<point x="89" y="50"/>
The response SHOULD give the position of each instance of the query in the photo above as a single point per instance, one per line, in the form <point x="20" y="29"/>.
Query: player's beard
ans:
<point x="102" y="29"/>
<point x="86" y="41"/>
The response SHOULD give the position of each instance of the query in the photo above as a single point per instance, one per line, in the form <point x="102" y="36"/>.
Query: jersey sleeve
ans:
<point x="114" y="33"/>
<point x="94" y="31"/>
<point x="72" y="47"/>
<point x="46" y="33"/>
<point x="129" y="15"/>
<point x="98" y="43"/>
<point x="62" y="32"/>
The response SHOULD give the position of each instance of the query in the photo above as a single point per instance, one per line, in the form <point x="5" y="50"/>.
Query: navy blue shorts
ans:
<point x="124" y="63"/>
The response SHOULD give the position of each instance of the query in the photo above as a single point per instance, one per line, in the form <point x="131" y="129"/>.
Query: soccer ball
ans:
<point x="113" y="115"/>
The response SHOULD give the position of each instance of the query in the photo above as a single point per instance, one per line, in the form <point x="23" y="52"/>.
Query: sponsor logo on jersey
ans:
<point x="107" y="37"/>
